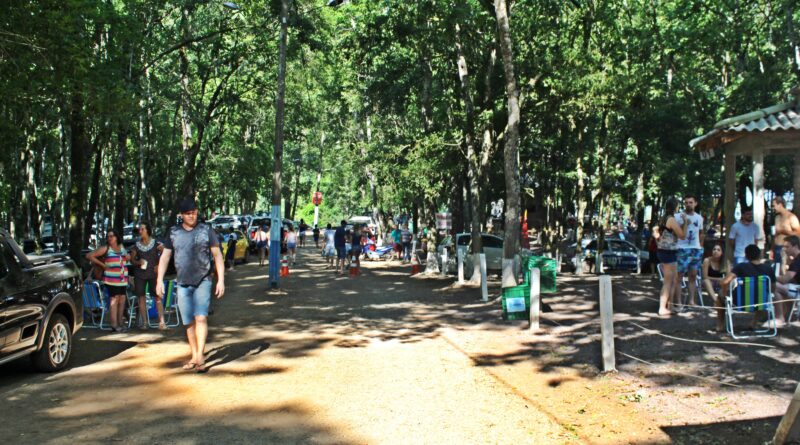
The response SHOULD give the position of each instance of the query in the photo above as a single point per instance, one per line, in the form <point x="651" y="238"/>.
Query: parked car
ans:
<point x="40" y="306"/>
<point x="129" y="234"/>
<point x="492" y="246"/>
<point x="617" y="255"/>
<point x="242" y="245"/>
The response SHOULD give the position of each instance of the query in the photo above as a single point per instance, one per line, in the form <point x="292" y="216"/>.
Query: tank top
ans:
<point x="116" y="274"/>
<point x="667" y="240"/>
<point x="291" y="238"/>
<point x="714" y="273"/>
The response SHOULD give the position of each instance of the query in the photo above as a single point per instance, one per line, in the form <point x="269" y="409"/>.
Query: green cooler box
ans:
<point x="547" y="268"/>
<point x="516" y="302"/>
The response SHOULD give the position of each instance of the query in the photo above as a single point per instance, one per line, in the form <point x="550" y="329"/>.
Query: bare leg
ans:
<point x="201" y="331"/>
<point x="666" y="289"/>
<point x="113" y="312"/>
<point x="160" y="309"/>
<point x="692" y="287"/>
<point x="191" y="336"/>
<point x="143" y="310"/>
<point x="120" y="308"/>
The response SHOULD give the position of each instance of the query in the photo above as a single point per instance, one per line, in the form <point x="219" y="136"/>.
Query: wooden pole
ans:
<point x="758" y="193"/>
<point x="607" y="323"/>
<point x="730" y="200"/>
<point x="484" y="284"/>
<point x="536" y="275"/>
<point x="789" y="429"/>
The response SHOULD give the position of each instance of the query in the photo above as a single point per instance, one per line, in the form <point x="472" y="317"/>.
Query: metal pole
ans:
<point x="275" y="231"/>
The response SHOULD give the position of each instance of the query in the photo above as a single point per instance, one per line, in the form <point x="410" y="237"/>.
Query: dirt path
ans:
<point x="325" y="360"/>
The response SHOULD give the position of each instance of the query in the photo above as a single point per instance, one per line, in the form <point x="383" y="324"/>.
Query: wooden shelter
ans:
<point x="770" y="131"/>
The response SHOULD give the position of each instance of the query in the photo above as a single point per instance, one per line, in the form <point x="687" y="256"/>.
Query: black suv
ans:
<point x="41" y="306"/>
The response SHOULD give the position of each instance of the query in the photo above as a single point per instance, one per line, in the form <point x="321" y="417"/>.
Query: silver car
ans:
<point x="492" y="247"/>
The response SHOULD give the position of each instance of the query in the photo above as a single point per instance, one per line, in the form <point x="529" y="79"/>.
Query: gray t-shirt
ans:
<point x="744" y="235"/>
<point x="192" y="252"/>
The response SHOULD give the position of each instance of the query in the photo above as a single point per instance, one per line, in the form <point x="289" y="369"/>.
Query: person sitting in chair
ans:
<point x="788" y="284"/>
<point x="753" y="267"/>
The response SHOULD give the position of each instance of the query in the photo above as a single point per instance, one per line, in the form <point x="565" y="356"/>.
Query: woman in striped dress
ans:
<point x="111" y="258"/>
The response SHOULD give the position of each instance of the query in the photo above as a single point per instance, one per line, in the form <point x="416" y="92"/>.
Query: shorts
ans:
<point x="117" y="291"/>
<point x="794" y="290"/>
<point x="193" y="301"/>
<point x="291" y="246"/>
<point x="667" y="256"/>
<point x="356" y="250"/>
<point x="328" y="251"/>
<point x="261" y="245"/>
<point x="398" y="247"/>
<point x="142" y="286"/>
<point x="776" y="253"/>
<point x="341" y="252"/>
<point x="316" y="238"/>
<point x="689" y="259"/>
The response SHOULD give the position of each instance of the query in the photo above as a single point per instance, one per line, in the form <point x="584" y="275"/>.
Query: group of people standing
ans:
<point x="680" y="251"/>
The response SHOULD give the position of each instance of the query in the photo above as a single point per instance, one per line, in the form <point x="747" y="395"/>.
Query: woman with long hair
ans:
<point x="144" y="257"/>
<point x="669" y="232"/>
<point x="713" y="273"/>
<point x="111" y="259"/>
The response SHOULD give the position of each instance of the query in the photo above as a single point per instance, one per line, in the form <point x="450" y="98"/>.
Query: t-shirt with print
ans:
<point x="744" y="236"/>
<point x="192" y="252"/>
<point x="405" y="236"/>
<point x="794" y="266"/>
<point x="692" y="240"/>
<point x="748" y="269"/>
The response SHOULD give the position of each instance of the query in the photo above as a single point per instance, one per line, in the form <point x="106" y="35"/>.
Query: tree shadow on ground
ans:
<point x="744" y="432"/>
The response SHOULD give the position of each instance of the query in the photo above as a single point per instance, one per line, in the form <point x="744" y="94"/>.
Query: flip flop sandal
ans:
<point x="201" y="369"/>
<point x="189" y="366"/>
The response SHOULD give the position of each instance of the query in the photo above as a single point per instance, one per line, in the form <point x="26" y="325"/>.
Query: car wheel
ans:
<point x="56" y="347"/>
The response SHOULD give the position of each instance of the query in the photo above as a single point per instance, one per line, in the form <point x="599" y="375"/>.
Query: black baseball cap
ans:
<point x="187" y="205"/>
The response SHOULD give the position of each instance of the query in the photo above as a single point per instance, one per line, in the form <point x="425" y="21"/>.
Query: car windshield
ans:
<point x="259" y="221"/>
<point x="223" y="220"/>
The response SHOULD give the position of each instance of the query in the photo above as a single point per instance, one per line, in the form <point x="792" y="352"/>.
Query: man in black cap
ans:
<point x="193" y="244"/>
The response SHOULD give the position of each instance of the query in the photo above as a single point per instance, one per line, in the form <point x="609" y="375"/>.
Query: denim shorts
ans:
<point x="291" y="246"/>
<point x="341" y="252"/>
<point x="667" y="256"/>
<point x="193" y="301"/>
<point x="689" y="259"/>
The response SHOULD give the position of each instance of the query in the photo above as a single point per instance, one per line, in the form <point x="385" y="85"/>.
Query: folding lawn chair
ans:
<point x="95" y="307"/>
<point x="749" y="295"/>
<point x="170" y="302"/>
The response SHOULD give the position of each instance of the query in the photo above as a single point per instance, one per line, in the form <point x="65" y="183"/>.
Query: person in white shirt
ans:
<point x="690" y="249"/>
<point x="743" y="233"/>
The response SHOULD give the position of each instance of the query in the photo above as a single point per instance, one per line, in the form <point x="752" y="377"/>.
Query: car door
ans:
<point x="241" y="245"/>
<point x="23" y="300"/>
<point x="6" y="298"/>
<point x="493" y="248"/>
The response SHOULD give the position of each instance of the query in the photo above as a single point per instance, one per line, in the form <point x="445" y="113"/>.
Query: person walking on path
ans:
<point x="743" y="233"/>
<point x="340" y="243"/>
<point x="786" y="224"/>
<point x="230" y="250"/>
<point x="194" y="245"/>
<point x="690" y="249"/>
<point x="144" y="257"/>
<point x="302" y="228"/>
<point x="356" y="244"/>
<point x="329" y="250"/>
<point x="111" y="259"/>
<point x="315" y="234"/>
<point x="397" y="246"/>
<point x="669" y="234"/>
<point x="262" y="243"/>
<point x="405" y="240"/>
<point x="291" y="244"/>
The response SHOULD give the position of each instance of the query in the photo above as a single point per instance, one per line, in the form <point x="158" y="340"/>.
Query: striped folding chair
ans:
<point x="170" y="302"/>
<point x="95" y="306"/>
<point x="751" y="294"/>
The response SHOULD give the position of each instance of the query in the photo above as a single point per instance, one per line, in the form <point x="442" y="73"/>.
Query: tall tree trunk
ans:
<point x="274" y="249"/>
<point x="76" y="199"/>
<point x="94" y="194"/>
<point x="511" y="154"/>
<point x="472" y="157"/>
<point x="119" y="180"/>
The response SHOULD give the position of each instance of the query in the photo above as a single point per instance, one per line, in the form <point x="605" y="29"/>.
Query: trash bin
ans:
<point x="516" y="302"/>
<point x="547" y="268"/>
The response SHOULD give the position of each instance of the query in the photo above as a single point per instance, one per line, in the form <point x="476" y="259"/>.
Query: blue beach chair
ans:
<point x="751" y="294"/>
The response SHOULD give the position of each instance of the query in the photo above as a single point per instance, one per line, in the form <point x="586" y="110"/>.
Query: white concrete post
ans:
<point x="579" y="267"/>
<point x="607" y="323"/>
<point x="484" y="283"/>
<point x="536" y="275"/>
<point x="460" y="257"/>
<point x="445" y="260"/>
<point x="789" y="428"/>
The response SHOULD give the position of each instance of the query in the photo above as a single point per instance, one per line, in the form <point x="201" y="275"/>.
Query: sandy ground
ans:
<point x="389" y="358"/>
